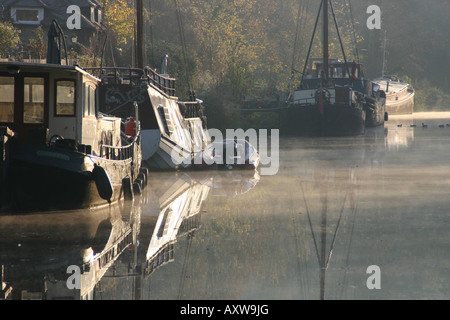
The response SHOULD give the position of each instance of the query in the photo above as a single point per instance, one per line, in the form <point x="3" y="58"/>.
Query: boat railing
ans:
<point x="162" y="257"/>
<point x="362" y="85"/>
<point x="191" y="109"/>
<point x="121" y="152"/>
<point x="303" y="101"/>
<point x="163" y="83"/>
<point x="134" y="76"/>
<point x="117" y="75"/>
<point x="117" y="153"/>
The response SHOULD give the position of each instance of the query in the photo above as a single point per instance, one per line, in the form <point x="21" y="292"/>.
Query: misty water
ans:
<point x="336" y="207"/>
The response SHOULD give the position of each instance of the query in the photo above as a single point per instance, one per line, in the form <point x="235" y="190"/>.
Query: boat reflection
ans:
<point x="180" y="207"/>
<point x="128" y="240"/>
<point x="37" y="249"/>
<point x="330" y="197"/>
<point x="400" y="134"/>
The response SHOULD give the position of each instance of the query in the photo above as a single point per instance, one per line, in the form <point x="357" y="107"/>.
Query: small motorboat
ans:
<point x="231" y="154"/>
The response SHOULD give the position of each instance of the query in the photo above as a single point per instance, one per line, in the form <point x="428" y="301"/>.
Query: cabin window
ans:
<point x="65" y="98"/>
<point x="89" y="102"/>
<point x="7" y="99"/>
<point x="34" y="92"/>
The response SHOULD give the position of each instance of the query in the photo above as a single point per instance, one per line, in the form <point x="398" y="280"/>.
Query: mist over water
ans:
<point x="335" y="207"/>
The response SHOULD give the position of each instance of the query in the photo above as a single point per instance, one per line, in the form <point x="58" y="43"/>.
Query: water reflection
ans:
<point x="400" y="133"/>
<point x="113" y="242"/>
<point x="329" y="197"/>
<point x="336" y="207"/>
<point x="180" y="207"/>
<point x="36" y="250"/>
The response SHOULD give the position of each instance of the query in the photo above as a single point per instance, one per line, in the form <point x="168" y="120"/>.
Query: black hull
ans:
<point x="336" y="120"/>
<point x="375" y="113"/>
<point x="39" y="188"/>
<point x="42" y="178"/>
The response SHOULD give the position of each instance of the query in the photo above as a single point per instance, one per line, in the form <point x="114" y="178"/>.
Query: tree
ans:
<point x="119" y="17"/>
<point x="249" y="48"/>
<point x="9" y="39"/>
<point x="37" y="45"/>
<point x="235" y="41"/>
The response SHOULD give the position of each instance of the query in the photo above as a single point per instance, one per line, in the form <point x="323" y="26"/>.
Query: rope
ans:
<point x="335" y="232"/>
<point x="312" y="40"/>
<point x="310" y="224"/>
<point x="354" y="31"/>
<point x="301" y="254"/>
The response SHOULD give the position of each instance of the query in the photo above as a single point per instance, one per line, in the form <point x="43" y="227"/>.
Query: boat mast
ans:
<point x="384" y="54"/>
<point x="140" y="51"/>
<point x="325" y="41"/>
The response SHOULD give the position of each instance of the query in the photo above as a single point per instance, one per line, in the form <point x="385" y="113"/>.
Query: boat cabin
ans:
<point x="342" y="76"/>
<point x="337" y="69"/>
<point x="40" y="102"/>
<point x="345" y="80"/>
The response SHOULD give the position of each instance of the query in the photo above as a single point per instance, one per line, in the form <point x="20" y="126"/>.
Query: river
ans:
<point x="344" y="218"/>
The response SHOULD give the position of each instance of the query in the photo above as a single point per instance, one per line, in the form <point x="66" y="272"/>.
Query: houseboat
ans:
<point x="59" y="151"/>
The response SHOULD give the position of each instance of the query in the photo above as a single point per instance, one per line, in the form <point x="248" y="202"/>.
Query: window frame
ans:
<point x="19" y="103"/>
<point x="14" y="99"/>
<point x="39" y="10"/>
<point x="87" y="100"/>
<point x="55" y="110"/>
<point x="45" y="97"/>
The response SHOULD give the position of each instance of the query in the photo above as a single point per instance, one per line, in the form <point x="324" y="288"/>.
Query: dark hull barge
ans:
<point x="333" y="98"/>
<point x="335" y="120"/>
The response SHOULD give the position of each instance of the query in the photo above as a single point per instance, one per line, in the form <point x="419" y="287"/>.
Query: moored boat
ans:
<point x="231" y="154"/>
<point x="59" y="151"/>
<point x="326" y="103"/>
<point x="174" y="132"/>
<point x="399" y="95"/>
<point x="171" y="129"/>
